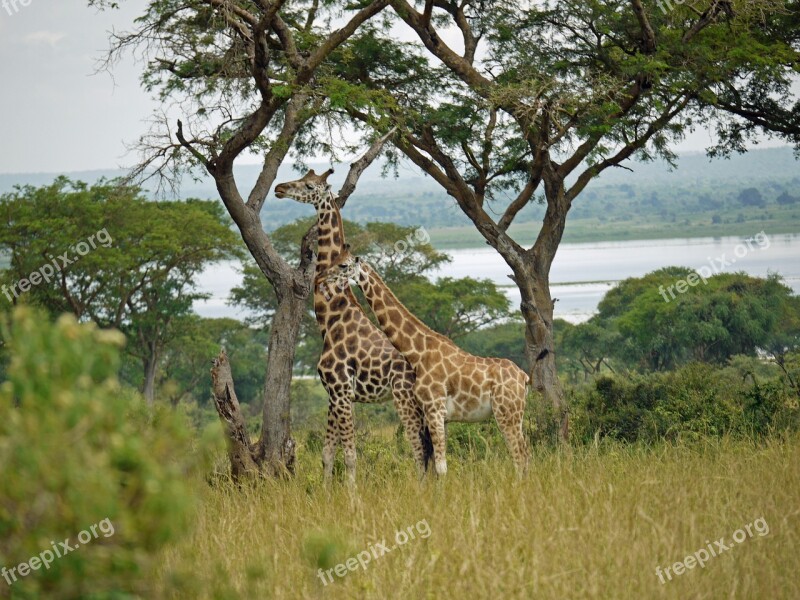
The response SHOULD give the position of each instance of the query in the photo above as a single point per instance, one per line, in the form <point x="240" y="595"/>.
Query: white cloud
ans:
<point x="51" y="38"/>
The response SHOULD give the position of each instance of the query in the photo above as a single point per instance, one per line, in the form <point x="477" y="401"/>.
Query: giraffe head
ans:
<point x="344" y="269"/>
<point x="310" y="189"/>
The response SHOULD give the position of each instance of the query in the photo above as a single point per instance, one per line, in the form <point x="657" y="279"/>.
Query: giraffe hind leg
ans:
<point x="509" y="410"/>
<point x="435" y="413"/>
<point x="413" y="420"/>
<point x="427" y="446"/>
<point x="329" y="447"/>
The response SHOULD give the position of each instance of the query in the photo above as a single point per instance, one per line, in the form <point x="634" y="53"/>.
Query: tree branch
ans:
<point x="292" y="121"/>
<point x="520" y="202"/>
<point x="648" y="35"/>
<point x="360" y="165"/>
<point x="192" y="150"/>
<point x="672" y="110"/>
<point x="431" y="40"/>
<point x="338" y="37"/>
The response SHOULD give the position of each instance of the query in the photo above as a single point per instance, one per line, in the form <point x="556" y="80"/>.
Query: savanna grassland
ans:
<point x="586" y="522"/>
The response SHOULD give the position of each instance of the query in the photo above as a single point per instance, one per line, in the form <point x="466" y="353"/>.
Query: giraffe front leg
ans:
<point x="344" y="418"/>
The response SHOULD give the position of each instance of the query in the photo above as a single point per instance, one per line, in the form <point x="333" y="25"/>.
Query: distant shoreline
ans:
<point x="464" y="238"/>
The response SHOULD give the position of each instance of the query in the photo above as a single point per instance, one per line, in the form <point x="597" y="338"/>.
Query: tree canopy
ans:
<point x="723" y="316"/>
<point x="106" y="254"/>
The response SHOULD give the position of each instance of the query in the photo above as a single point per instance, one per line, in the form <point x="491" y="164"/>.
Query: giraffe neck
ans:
<point x="331" y="233"/>
<point x="399" y="324"/>
<point x="329" y="301"/>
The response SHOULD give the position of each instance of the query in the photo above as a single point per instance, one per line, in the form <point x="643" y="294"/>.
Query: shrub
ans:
<point x="697" y="400"/>
<point x="78" y="450"/>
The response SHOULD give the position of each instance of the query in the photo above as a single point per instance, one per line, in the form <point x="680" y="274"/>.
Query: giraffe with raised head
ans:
<point x="452" y="385"/>
<point x="358" y="363"/>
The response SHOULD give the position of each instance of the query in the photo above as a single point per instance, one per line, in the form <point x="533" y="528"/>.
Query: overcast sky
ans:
<point x="55" y="113"/>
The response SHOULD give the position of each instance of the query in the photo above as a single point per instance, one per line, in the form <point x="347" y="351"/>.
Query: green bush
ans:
<point x="78" y="451"/>
<point x="697" y="400"/>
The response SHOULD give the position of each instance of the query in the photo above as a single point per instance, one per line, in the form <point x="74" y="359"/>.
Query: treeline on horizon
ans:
<point x="696" y="190"/>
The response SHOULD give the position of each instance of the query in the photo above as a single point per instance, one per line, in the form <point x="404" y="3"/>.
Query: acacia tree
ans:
<point x="534" y="100"/>
<point x="106" y="254"/>
<point x="240" y="77"/>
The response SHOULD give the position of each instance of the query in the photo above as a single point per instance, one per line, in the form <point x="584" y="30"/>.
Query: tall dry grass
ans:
<point x="589" y="522"/>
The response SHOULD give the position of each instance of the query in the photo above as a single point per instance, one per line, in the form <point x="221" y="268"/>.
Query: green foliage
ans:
<point x="455" y="307"/>
<point x="647" y="323"/>
<point x="140" y="263"/>
<point x="751" y="197"/>
<point x="192" y="340"/>
<point x="584" y="348"/>
<point x="309" y="404"/>
<point x="504" y="340"/>
<point x="695" y="401"/>
<point x="78" y="449"/>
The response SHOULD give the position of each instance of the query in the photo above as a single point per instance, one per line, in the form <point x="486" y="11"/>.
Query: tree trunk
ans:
<point x="537" y="310"/>
<point x="533" y="280"/>
<point x="240" y="449"/>
<point x="150" y="364"/>
<point x="274" y="453"/>
<point x="276" y="448"/>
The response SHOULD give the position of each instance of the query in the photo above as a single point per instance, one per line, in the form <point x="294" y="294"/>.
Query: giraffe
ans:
<point x="358" y="363"/>
<point x="451" y="384"/>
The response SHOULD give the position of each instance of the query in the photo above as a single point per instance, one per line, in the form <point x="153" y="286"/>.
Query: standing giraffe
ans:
<point x="451" y="384"/>
<point x="358" y="363"/>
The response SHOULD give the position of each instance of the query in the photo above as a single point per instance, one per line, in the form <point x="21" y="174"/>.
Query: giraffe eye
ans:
<point x="309" y="186"/>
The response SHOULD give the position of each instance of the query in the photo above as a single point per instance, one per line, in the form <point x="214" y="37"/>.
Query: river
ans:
<point x="583" y="273"/>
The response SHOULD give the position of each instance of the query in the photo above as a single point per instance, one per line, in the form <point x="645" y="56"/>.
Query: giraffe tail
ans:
<point x="427" y="446"/>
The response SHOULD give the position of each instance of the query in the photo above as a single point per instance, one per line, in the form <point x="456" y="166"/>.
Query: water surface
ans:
<point x="583" y="273"/>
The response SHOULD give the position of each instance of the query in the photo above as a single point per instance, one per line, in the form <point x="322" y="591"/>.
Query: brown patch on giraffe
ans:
<point x="408" y="328"/>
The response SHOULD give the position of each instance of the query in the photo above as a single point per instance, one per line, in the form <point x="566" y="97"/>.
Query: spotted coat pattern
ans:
<point x="358" y="363"/>
<point x="451" y="384"/>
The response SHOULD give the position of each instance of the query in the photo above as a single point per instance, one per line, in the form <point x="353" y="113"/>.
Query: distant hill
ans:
<point x="414" y="199"/>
